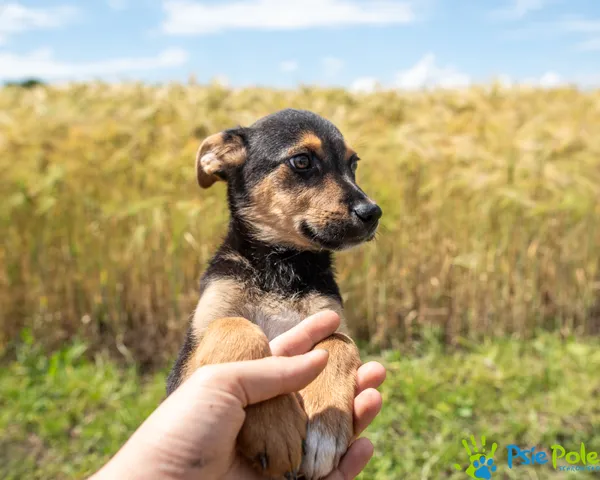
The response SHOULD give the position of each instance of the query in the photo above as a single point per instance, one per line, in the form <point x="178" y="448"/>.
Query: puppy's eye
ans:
<point x="301" y="163"/>
<point x="354" y="166"/>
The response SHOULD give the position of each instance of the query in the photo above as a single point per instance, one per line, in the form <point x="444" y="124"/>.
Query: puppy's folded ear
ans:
<point x="218" y="155"/>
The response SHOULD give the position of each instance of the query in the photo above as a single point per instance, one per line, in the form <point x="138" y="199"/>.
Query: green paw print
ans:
<point x="481" y="464"/>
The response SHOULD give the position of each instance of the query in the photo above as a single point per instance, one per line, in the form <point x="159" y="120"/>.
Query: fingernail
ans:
<point x="262" y="458"/>
<point x="318" y="352"/>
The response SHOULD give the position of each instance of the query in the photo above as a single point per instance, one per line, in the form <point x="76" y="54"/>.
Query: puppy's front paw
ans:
<point x="328" y="436"/>
<point x="272" y="436"/>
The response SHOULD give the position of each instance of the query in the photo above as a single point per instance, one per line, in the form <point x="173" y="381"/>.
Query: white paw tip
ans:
<point x="323" y="453"/>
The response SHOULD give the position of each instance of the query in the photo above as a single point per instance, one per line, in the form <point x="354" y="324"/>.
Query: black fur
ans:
<point x="273" y="269"/>
<point x="175" y="375"/>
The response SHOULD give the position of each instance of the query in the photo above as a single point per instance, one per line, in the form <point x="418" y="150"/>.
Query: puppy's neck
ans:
<point x="276" y="268"/>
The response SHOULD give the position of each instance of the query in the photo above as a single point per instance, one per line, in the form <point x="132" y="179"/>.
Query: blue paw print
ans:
<point x="484" y="467"/>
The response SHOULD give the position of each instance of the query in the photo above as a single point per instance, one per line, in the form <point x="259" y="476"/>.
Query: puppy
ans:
<point x="293" y="199"/>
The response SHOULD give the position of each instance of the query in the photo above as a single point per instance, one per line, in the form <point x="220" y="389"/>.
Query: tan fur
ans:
<point x="328" y="201"/>
<point x="329" y="400"/>
<point x="335" y="386"/>
<point x="276" y="212"/>
<point x="332" y="393"/>
<point x="349" y="153"/>
<point x="221" y="298"/>
<point x="308" y="141"/>
<point x="273" y="430"/>
<point x="231" y="339"/>
<point x="277" y="427"/>
<point x="215" y="155"/>
<point x="229" y="298"/>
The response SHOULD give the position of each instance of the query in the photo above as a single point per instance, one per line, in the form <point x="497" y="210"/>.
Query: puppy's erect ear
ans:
<point x="218" y="154"/>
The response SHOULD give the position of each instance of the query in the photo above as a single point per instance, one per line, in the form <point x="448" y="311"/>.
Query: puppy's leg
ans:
<point x="329" y="404"/>
<point x="274" y="431"/>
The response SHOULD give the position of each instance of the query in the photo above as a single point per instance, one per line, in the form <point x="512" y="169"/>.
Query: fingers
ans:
<point x="354" y="461"/>
<point x="370" y="375"/>
<point x="306" y="334"/>
<point x="368" y="401"/>
<point x="254" y="381"/>
<point x="367" y="406"/>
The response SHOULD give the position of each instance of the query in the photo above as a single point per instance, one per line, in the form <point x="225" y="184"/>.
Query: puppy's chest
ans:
<point x="274" y="313"/>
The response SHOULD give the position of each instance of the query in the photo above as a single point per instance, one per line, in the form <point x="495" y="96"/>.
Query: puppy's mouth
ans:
<point x="338" y="236"/>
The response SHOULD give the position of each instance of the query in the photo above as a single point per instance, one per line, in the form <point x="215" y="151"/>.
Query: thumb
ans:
<point x="254" y="381"/>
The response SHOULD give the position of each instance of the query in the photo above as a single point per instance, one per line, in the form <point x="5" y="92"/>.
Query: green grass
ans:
<point x="62" y="416"/>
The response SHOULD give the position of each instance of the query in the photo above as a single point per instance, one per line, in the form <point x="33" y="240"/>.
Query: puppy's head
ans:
<point x="291" y="180"/>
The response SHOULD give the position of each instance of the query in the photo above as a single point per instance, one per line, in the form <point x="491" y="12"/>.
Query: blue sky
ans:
<point x="357" y="44"/>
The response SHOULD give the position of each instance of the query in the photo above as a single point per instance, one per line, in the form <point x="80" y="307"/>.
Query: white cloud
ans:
<point x="222" y="80"/>
<point x="288" y="66"/>
<point x="187" y="17"/>
<point x="364" y="85"/>
<point x="518" y="9"/>
<point x="16" y="18"/>
<point x="425" y="73"/>
<point x="332" y="66"/>
<point x="504" y="80"/>
<point x="42" y="64"/>
<point x="117" y="4"/>
<point x="550" y="79"/>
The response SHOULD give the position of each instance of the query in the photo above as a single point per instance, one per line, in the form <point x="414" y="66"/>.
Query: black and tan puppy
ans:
<point x="293" y="199"/>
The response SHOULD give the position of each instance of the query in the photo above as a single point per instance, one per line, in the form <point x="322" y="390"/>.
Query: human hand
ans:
<point x="192" y="434"/>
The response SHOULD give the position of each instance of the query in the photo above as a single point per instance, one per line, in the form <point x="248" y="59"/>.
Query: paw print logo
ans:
<point x="481" y="464"/>
<point x="484" y="467"/>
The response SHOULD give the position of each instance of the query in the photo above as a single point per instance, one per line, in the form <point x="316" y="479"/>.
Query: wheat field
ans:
<point x="491" y="201"/>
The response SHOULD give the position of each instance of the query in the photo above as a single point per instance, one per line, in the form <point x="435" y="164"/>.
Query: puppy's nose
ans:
<point x="368" y="212"/>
